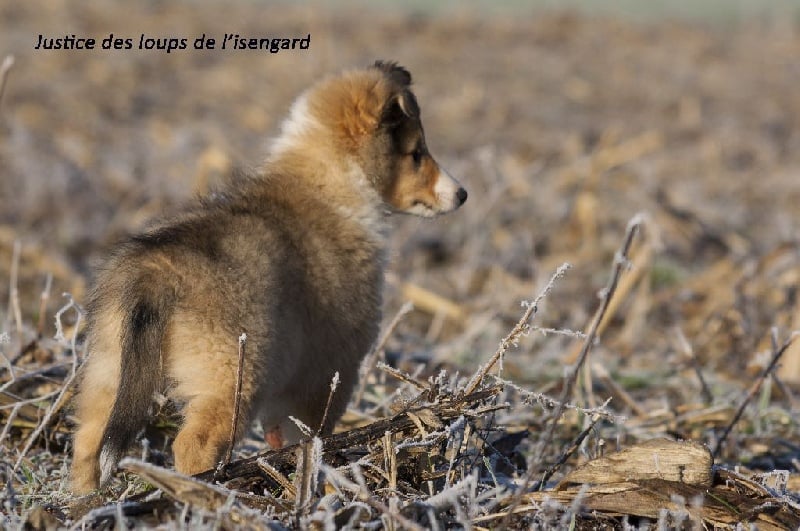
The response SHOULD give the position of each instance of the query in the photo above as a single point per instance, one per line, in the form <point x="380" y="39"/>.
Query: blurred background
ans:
<point x="563" y="119"/>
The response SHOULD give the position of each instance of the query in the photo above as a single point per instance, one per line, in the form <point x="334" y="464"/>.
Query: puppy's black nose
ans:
<point x="461" y="195"/>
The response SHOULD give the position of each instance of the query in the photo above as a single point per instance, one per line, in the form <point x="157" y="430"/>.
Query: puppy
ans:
<point x="293" y="258"/>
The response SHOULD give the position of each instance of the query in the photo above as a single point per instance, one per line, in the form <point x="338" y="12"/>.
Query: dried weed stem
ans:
<point x="5" y="68"/>
<point x="621" y="263"/>
<point x="522" y="328"/>
<point x="65" y="387"/>
<point x="334" y="385"/>
<point x="13" y="291"/>
<point x="237" y="398"/>
<point x="43" y="299"/>
<point x="369" y="362"/>
<point x="777" y="353"/>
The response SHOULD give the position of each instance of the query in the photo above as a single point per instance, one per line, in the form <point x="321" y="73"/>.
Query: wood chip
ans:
<point x="661" y="459"/>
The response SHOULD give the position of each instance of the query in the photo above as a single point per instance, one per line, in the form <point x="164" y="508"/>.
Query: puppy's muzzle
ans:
<point x="449" y="193"/>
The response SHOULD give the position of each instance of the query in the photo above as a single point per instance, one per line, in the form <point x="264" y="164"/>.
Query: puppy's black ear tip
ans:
<point x="394" y="71"/>
<point x="385" y="66"/>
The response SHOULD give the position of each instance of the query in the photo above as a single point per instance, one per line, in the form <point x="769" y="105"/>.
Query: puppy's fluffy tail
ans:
<point x="146" y="318"/>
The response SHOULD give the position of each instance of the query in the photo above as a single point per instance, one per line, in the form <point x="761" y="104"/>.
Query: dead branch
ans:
<point x="447" y="409"/>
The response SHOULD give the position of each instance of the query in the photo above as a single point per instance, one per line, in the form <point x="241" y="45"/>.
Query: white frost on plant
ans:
<point x="301" y="426"/>
<point x="450" y="497"/>
<point x="559" y="331"/>
<point x="59" y="327"/>
<point x="316" y="462"/>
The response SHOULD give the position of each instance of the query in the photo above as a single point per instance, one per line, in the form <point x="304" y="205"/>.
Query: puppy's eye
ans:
<point x="417" y="155"/>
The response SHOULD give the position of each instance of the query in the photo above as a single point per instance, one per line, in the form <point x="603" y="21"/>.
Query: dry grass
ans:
<point x="563" y="127"/>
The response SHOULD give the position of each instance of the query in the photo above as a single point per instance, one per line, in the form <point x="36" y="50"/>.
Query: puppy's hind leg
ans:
<point x="205" y="435"/>
<point x="98" y="389"/>
<point x="122" y="341"/>
<point x="204" y="369"/>
<point x="93" y="410"/>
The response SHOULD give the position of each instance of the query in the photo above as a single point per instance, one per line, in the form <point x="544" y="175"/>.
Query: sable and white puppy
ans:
<point x="293" y="257"/>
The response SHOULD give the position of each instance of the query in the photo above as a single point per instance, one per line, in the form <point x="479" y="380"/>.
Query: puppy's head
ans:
<point x="375" y="119"/>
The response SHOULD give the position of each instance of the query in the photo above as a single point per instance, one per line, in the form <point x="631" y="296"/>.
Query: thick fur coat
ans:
<point x="293" y="258"/>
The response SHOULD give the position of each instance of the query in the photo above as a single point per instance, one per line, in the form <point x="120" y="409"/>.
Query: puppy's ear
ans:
<point x="399" y="108"/>
<point x="408" y="104"/>
<point x="396" y="73"/>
